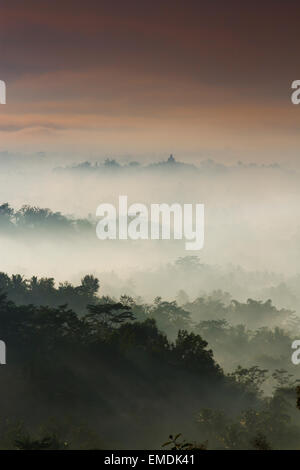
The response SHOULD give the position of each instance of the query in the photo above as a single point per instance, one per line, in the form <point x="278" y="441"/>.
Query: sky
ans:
<point x="200" y="79"/>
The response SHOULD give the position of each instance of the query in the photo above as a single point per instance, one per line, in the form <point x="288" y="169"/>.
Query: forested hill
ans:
<point x="108" y="378"/>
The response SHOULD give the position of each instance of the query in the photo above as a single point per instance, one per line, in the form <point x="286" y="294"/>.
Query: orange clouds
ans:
<point x="137" y="73"/>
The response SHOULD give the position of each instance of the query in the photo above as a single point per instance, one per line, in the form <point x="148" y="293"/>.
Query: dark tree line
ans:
<point x="42" y="291"/>
<point x="122" y="374"/>
<point x="29" y="219"/>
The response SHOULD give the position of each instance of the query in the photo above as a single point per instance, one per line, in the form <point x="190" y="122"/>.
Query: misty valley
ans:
<point x="140" y="344"/>
<point x="91" y="371"/>
<point x="149" y="230"/>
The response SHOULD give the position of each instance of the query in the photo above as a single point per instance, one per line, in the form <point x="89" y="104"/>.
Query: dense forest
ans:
<point x="175" y="344"/>
<point x="91" y="371"/>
